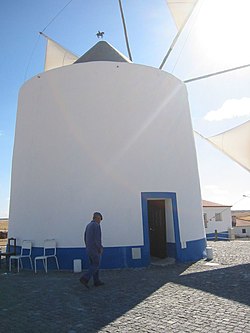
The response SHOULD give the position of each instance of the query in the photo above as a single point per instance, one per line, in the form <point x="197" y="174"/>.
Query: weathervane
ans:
<point x="100" y="34"/>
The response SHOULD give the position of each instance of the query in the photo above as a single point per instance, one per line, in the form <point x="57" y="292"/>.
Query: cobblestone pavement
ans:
<point x="204" y="296"/>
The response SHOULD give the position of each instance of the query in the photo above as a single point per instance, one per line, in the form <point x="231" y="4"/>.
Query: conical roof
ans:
<point x="102" y="51"/>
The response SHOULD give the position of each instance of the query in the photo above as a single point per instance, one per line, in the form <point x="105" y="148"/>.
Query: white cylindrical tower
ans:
<point x="114" y="137"/>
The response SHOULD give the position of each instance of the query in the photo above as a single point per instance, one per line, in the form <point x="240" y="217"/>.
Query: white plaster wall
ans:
<point x="94" y="136"/>
<point x="213" y="225"/>
<point x="238" y="232"/>
<point x="169" y="221"/>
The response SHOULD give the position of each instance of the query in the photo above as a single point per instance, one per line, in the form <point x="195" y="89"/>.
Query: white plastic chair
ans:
<point x="49" y="251"/>
<point x="25" y="253"/>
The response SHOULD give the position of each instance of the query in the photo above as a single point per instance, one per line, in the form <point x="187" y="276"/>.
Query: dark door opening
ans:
<point x="157" y="228"/>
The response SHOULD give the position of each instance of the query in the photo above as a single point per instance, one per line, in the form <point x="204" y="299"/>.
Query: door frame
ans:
<point x="145" y="196"/>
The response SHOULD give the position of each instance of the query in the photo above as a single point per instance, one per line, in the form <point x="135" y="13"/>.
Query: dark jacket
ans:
<point x="93" y="238"/>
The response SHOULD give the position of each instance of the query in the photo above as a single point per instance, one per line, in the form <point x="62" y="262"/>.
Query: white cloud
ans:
<point x="232" y="108"/>
<point x="215" y="189"/>
<point x="4" y="213"/>
<point x="215" y="194"/>
<point x="243" y="204"/>
<point x="4" y="207"/>
<point x="220" y="195"/>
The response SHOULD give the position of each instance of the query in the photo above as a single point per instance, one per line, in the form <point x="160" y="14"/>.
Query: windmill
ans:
<point x="135" y="146"/>
<point x="181" y="12"/>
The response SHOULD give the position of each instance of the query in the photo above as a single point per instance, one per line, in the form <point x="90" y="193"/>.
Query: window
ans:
<point x="205" y="219"/>
<point x="244" y="231"/>
<point x="218" y="217"/>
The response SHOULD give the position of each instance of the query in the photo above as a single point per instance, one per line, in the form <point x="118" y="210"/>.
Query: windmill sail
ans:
<point x="56" y="55"/>
<point x="181" y="10"/>
<point x="235" y="143"/>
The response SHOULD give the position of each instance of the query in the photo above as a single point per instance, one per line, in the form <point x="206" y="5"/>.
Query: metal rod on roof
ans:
<point x="56" y="15"/>
<point x="216" y="73"/>
<point x="125" y="30"/>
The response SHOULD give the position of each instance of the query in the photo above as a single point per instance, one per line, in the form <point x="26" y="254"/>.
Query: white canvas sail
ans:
<point x="235" y="143"/>
<point x="57" y="56"/>
<point x="181" y="10"/>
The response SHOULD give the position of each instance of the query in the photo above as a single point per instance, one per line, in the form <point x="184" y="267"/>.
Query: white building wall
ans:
<point x="238" y="231"/>
<point x="169" y="222"/>
<point x="223" y="225"/>
<point x="93" y="136"/>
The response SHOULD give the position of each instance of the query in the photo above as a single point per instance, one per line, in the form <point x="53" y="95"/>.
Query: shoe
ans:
<point x="84" y="282"/>
<point x="98" y="284"/>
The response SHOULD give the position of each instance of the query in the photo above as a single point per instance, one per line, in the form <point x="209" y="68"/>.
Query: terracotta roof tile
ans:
<point x="242" y="223"/>
<point x="206" y="203"/>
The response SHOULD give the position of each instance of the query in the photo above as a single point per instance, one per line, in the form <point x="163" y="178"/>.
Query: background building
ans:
<point x="217" y="219"/>
<point x="241" y="223"/>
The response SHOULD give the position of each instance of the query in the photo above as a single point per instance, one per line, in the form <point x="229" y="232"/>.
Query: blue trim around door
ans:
<point x="145" y="196"/>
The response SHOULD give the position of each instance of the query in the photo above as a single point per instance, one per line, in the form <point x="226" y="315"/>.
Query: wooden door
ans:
<point x="157" y="228"/>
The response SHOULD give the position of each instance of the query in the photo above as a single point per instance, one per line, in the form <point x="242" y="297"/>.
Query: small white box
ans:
<point x="209" y="253"/>
<point x="136" y="253"/>
<point x="77" y="265"/>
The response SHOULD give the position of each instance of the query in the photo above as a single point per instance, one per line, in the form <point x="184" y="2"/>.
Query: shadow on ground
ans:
<point x="231" y="282"/>
<point x="57" y="302"/>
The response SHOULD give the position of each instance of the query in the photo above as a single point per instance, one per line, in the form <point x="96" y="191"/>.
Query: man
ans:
<point x="93" y="241"/>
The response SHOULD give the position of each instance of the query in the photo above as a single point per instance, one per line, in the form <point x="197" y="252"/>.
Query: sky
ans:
<point x="215" y="38"/>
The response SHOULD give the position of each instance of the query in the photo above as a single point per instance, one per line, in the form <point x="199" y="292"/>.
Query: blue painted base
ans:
<point x="195" y="250"/>
<point x="171" y="250"/>
<point x="119" y="257"/>
<point x="220" y="235"/>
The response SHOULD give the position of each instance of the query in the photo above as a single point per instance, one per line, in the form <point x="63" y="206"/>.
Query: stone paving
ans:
<point x="204" y="296"/>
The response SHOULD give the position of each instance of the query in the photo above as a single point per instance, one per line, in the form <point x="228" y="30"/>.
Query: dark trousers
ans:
<point x="93" y="270"/>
